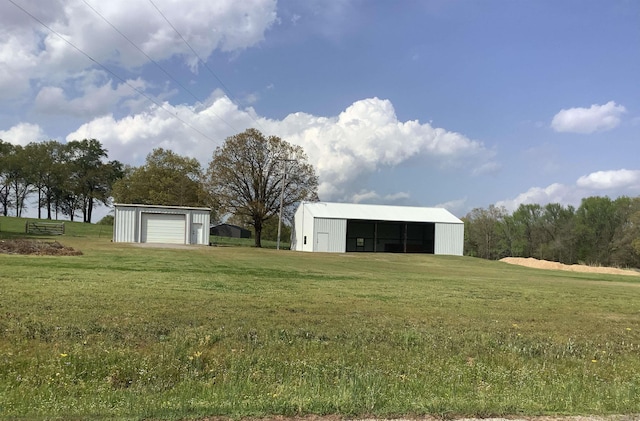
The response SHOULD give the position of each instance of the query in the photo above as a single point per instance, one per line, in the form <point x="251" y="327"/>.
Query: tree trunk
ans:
<point x="89" y="210"/>
<point x="39" y="203"/>
<point x="257" y="224"/>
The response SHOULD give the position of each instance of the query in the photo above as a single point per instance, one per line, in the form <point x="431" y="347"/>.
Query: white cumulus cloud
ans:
<point x="22" y="134"/>
<point x="345" y="149"/>
<point x="615" y="182"/>
<point x="607" y="180"/>
<point x="554" y="193"/>
<point x="588" y="120"/>
<point x="31" y="52"/>
<point x="371" y="196"/>
<point x="368" y="136"/>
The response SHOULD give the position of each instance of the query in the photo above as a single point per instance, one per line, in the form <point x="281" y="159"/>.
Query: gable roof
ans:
<point x="379" y="212"/>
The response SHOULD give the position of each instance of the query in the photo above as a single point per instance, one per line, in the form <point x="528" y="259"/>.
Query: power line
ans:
<point x="171" y="113"/>
<point x="204" y="63"/>
<point x="156" y="63"/>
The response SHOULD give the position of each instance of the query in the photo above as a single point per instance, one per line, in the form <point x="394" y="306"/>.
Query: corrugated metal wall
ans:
<point x="127" y="220"/>
<point x="125" y="227"/>
<point x="330" y="235"/>
<point x="449" y="239"/>
<point x="198" y="217"/>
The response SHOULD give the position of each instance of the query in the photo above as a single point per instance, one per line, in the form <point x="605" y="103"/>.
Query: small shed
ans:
<point x="229" y="230"/>
<point x="345" y="227"/>
<point x="160" y="224"/>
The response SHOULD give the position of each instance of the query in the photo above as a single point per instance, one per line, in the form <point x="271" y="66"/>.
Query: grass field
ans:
<point x="124" y="332"/>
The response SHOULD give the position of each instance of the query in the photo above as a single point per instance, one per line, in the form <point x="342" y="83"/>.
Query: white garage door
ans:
<point x="163" y="228"/>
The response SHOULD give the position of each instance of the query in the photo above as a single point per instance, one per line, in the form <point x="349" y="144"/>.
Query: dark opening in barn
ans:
<point x="390" y="237"/>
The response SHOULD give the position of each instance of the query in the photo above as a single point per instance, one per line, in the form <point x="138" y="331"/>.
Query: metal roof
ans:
<point x="379" y="212"/>
<point x="137" y="205"/>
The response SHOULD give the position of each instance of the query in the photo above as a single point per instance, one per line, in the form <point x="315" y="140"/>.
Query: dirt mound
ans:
<point x="42" y="248"/>
<point x="545" y="264"/>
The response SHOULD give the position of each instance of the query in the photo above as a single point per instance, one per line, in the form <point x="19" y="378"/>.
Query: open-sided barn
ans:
<point x="343" y="227"/>
<point x="160" y="224"/>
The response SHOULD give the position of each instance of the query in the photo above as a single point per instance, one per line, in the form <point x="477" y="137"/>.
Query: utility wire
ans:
<point x="156" y="63"/>
<point x="204" y="63"/>
<point x="171" y="113"/>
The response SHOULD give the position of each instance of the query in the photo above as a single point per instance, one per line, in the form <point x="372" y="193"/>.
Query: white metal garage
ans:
<point x="160" y="224"/>
<point x="344" y="227"/>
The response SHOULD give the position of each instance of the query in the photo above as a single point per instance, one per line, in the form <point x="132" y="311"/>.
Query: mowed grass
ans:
<point x="125" y="332"/>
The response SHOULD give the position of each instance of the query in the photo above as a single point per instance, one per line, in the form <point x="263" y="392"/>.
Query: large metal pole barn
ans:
<point x="339" y="227"/>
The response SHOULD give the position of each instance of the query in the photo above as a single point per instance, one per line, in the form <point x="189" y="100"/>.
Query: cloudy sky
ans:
<point x="454" y="103"/>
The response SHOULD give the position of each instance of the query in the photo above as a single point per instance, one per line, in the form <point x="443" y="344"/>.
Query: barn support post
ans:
<point x="405" y="237"/>
<point x="375" y="237"/>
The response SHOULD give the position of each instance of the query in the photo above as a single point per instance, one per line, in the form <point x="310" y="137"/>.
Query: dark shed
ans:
<point x="228" y="230"/>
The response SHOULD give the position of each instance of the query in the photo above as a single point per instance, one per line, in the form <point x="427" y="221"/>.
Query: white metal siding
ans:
<point x="303" y="227"/>
<point x="200" y="217"/>
<point x="313" y="218"/>
<point x="125" y="228"/>
<point x="129" y="227"/>
<point x="297" y="233"/>
<point x="449" y="239"/>
<point x="163" y="228"/>
<point x="337" y="230"/>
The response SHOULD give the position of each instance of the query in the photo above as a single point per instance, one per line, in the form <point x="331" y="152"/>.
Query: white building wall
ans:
<point x="203" y="218"/>
<point x="303" y="236"/>
<point x="330" y="232"/>
<point x="334" y="231"/>
<point x="296" y="231"/>
<point x="449" y="239"/>
<point x="126" y="225"/>
<point x="127" y="222"/>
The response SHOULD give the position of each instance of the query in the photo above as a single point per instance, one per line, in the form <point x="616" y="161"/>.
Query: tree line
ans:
<point x="67" y="178"/>
<point x="601" y="231"/>
<point x="250" y="179"/>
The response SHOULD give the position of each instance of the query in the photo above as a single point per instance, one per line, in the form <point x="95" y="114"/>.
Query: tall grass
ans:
<point x="125" y="332"/>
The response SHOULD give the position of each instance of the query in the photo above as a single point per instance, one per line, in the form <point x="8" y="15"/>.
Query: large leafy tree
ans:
<point x="5" y="184"/>
<point x="483" y="233"/>
<point x="91" y="177"/>
<point x="596" y="224"/>
<point x="166" y="178"/>
<point x="19" y="178"/>
<point x="558" y="232"/>
<point x="247" y="175"/>
<point x="49" y="171"/>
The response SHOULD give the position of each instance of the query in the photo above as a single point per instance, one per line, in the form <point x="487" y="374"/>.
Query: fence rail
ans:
<point x="47" y="228"/>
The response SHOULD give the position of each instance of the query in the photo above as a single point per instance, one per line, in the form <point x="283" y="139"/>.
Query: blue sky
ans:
<point x="460" y="104"/>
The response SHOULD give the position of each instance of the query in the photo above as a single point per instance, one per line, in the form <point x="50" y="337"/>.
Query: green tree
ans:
<point x="558" y="225"/>
<point x="528" y="219"/>
<point x="634" y="220"/>
<point x="19" y="178"/>
<point x="247" y="174"/>
<point x="166" y="178"/>
<point x="483" y="232"/>
<point x="91" y="178"/>
<point x="625" y="245"/>
<point x="270" y="230"/>
<point x="5" y="183"/>
<point x="596" y="224"/>
<point x="47" y="171"/>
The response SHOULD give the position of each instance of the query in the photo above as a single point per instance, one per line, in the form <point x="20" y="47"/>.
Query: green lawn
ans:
<point x="124" y="332"/>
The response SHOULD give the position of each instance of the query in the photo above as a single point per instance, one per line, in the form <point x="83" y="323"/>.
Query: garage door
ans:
<point x="163" y="228"/>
